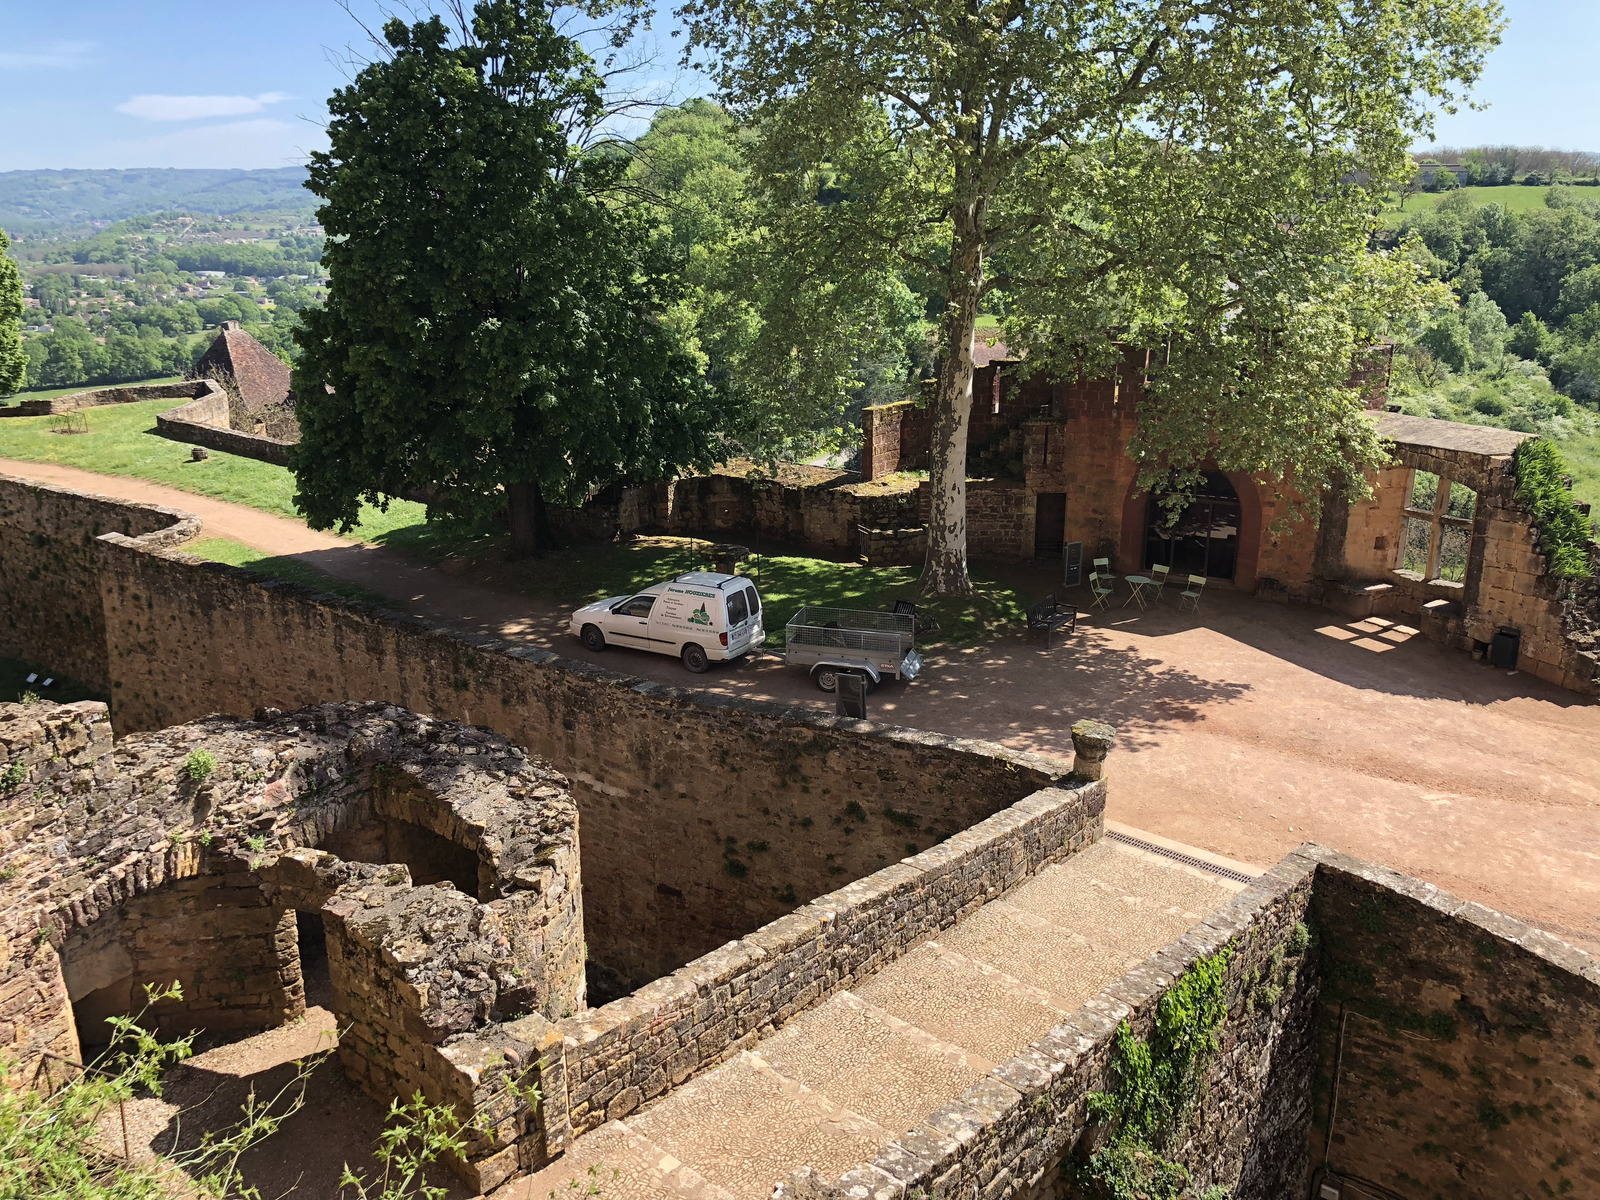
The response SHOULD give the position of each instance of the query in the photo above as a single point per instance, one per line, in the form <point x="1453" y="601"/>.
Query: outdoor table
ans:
<point x="1137" y="585"/>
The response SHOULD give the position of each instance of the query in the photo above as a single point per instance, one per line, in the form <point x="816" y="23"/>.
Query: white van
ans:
<point x="702" y="617"/>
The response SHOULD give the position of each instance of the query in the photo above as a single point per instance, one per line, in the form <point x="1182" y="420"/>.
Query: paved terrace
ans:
<point x="847" y="1077"/>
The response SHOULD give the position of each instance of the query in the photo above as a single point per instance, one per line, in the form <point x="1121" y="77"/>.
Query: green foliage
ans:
<point x="199" y="764"/>
<point x="48" y="1135"/>
<point x="1157" y="1081"/>
<point x="1564" y="532"/>
<point x="12" y="777"/>
<point x="493" y="331"/>
<point x="1110" y="172"/>
<point x="417" y="1134"/>
<point x="13" y="362"/>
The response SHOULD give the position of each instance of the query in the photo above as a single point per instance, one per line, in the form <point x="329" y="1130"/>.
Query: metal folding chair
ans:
<point x="1159" y="574"/>
<point x="1189" y="599"/>
<point x="1101" y="593"/>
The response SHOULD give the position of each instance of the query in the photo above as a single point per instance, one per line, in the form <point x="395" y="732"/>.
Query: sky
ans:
<point x="184" y="83"/>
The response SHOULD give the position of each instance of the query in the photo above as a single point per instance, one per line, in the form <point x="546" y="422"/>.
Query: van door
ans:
<point x="630" y="623"/>
<point x="739" y="628"/>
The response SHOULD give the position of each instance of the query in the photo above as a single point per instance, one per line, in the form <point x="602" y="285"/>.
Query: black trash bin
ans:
<point x="1505" y="647"/>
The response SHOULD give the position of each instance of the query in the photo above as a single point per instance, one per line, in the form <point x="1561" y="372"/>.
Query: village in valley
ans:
<point x="802" y="602"/>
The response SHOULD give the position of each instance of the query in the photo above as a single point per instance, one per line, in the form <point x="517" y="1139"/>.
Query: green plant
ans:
<point x="1564" y="532"/>
<point x="417" y="1135"/>
<point x="11" y="778"/>
<point x="199" y="764"/>
<point x="257" y="844"/>
<point x="1157" y="1080"/>
<point x="30" y="697"/>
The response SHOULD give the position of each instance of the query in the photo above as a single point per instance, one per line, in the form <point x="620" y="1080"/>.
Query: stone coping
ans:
<point x="184" y="526"/>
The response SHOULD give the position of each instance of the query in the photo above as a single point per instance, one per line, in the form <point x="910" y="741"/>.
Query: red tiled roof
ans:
<point x="262" y="377"/>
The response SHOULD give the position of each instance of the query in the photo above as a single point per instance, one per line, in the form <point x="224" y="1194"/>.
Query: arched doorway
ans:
<point x="1203" y="539"/>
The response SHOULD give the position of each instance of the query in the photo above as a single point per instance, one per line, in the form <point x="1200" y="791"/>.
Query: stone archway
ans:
<point x="1246" y="553"/>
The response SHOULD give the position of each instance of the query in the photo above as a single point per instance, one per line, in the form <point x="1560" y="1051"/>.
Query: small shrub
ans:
<point x="199" y="765"/>
<point x="12" y="777"/>
<point x="1564" y="532"/>
<point x="30" y="698"/>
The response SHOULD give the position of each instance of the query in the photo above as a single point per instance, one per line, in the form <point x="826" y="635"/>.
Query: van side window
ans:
<point x="738" y="611"/>
<point x="639" y="606"/>
<point x="755" y="601"/>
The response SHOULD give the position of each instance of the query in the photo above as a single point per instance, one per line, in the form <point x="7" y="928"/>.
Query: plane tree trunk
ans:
<point x="531" y="536"/>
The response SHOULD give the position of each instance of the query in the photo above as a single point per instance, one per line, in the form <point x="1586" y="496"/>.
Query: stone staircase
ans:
<point x="839" y="1081"/>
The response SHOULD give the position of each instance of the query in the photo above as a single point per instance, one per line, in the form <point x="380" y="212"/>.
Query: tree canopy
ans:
<point x="1182" y="175"/>
<point x="13" y="362"/>
<point x="493" y="334"/>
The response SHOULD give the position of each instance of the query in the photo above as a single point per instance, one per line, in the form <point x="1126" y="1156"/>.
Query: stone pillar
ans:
<point x="1091" y="741"/>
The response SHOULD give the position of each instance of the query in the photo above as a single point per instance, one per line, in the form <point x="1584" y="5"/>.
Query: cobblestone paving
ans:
<point x="848" y="1076"/>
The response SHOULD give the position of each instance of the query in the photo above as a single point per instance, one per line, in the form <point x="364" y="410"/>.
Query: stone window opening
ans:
<point x="1437" y="539"/>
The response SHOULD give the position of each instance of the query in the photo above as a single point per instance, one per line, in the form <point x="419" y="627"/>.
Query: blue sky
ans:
<point x="181" y="83"/>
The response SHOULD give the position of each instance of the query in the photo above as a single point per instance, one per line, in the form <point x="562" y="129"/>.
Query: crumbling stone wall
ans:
<point x="110" y="395"/>
<point x="205" y="421"/>
<point x="1460" y="1048"/>
<point x="127" y="864"/>
<point x="48" y="613"/>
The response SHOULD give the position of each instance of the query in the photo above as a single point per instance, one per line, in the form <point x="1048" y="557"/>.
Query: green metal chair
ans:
<point x="1101" y="592"/>
<point x="1159" y="574"/>
<point x="1189" y="599"/>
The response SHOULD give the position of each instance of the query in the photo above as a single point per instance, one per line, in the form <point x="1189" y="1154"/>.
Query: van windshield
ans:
<point x="738" y="611"/>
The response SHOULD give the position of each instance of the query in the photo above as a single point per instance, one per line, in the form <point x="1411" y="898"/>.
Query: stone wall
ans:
<point x="691" y="802"/>
<point x="1010" y="1132"/>
<point x="1460" y="1048"/>
<point x="48" y="613"/>
<point x="204" y="422"/>
<point x="601" y="1065"/>
<point x="893" y="547"/>
<point x="111" y="395"/>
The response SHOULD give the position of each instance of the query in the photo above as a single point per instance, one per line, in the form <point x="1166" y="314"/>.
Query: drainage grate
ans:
<point x="1187" y="860"/>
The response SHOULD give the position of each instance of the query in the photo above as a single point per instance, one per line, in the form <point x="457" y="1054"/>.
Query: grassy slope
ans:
<point x="1582" y="456"/>
<point x="122" y="441"/>
<point x="1513" y="197"/>
<point x="279" y="566"/>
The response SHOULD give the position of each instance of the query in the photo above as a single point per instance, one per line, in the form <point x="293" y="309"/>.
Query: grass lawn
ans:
<point x="1581" y="453"/>
<point x="52" y="393"/>
<point x="122" y="440"/>
<point x="237" y="554"/>
<point x="14" y="684"/>
<point x="1512" y="197"/>
<point x="594" y="570"/>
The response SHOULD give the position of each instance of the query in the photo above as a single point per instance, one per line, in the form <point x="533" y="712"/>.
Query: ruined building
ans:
<point x="736" y="947"/>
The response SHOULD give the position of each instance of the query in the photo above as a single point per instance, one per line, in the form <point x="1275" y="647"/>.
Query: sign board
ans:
<point x="1072" y="565"/>
<point x="851" y="695"/>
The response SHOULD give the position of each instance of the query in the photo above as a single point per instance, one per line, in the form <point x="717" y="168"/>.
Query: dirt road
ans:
<point x="1245" y="731"/>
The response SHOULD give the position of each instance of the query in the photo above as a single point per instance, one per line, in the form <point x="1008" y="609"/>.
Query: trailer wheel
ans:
<point x="695" y="658"/>
<point x="827" y="678"/>
<point x="592" y="638"/>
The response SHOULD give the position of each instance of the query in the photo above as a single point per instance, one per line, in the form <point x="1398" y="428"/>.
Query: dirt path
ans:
<point x="1246" y="731"/>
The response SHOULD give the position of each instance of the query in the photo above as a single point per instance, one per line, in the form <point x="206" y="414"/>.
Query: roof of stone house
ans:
<point x="983" y="353"/>
<point x="1430" y="434"/>
<point x="263" y="378"/>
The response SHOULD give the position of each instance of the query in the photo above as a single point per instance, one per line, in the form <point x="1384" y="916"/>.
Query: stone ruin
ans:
<point x="438" y="864"/>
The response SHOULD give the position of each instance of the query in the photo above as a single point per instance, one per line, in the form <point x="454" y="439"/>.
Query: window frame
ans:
<point x="1439" y="519"/>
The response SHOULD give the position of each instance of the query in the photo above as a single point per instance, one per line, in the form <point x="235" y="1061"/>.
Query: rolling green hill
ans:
<point x="62" y="201"/>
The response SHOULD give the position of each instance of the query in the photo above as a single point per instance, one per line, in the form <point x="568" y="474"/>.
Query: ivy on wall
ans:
<point x="1158" y="1080"/>
<point x="1564" y="532"/>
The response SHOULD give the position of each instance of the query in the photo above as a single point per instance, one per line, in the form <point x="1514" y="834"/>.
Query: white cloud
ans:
<point x="193" y="108"/>
<point x="54" y="54"/>
<point x="244" y="144"/>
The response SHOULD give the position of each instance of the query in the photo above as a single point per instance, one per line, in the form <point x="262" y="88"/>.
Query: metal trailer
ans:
<point x="827" y="641"/>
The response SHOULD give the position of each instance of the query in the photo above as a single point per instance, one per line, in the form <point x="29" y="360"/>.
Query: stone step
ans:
<point x="872" y="1062"/>
<point x="617" y="1163"/>
<point x="1126" y="870"/>
<point x="967" y="1003"/>
<point x="744" y="1126"/>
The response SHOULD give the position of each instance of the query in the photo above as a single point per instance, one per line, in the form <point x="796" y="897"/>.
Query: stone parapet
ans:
<point x="204" y="422"/>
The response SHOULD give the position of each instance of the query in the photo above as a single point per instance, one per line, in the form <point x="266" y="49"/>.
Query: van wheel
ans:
<point x="827" y="678"/>
<point x="695" y="659"/>
<point x="592" y="638"/>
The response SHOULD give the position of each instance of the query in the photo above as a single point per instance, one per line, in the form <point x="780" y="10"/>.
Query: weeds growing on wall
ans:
<point x="1564" y="532"/>
<point x="1158" y="1081"/>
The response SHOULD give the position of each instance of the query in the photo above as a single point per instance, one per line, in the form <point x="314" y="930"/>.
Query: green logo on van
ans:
<point x="699" y="616"/>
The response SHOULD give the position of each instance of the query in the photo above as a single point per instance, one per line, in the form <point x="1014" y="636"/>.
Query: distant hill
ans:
<point x="60" y="201"/>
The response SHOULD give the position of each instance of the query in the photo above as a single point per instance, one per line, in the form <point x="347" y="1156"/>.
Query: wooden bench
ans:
<point x="1050" y="615"/>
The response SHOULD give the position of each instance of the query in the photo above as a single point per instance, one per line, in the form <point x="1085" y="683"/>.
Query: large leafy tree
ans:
<point x="13" y="362"/>
<point x="1182" y="175"/>
<point x="492" y="336"/>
